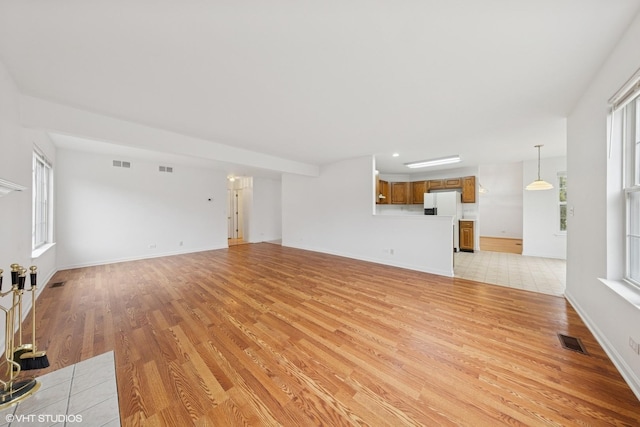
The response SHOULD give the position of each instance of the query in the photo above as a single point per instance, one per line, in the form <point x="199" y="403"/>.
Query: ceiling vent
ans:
<point x="121" y="164"/>
<point x="168" y="169"/>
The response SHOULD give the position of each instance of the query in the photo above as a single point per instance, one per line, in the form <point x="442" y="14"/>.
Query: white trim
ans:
<point x="137" y="258"/>
<point x="7" y="187"/>
<point x="626" y="290"/>
<point x="625" y="370"/>
<point x="40" y="250"/>
<point x="626" y="93"/>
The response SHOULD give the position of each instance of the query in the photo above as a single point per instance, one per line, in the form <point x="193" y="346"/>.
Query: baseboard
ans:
<point x="625" y="370"/>
<point x="138" y="258"/>
<point x="375" y="260"/>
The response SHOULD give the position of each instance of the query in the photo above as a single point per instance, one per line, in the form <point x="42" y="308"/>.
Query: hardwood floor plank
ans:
<point x="259" y="334"/>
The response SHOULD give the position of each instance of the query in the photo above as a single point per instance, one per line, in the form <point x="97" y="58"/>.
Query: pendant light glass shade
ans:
<point x="539" y="184"/>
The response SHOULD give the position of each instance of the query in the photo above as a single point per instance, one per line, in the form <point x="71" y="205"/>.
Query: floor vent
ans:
<point x="572" y="343"/>
<point x="57" y="285"/>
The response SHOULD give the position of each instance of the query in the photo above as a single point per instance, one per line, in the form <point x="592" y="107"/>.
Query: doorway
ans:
<point x="235" y="217"/>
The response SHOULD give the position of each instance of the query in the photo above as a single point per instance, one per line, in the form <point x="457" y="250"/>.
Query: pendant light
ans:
<point x="539" y="184"/>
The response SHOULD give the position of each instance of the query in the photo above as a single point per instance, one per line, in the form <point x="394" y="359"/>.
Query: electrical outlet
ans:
<point x="634" y="345"/>
<point x="391" y="251"/>
<point x="152" y="246"/>
<point x="181" y="243"/>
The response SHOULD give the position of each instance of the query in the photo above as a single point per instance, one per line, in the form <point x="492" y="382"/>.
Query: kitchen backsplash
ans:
<point x="469" y="210"/>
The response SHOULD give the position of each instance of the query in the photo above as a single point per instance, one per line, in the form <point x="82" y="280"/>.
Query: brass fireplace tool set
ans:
<point x="19" y="356"/>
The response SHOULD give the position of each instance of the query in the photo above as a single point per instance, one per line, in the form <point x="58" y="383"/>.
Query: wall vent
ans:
<point x="168" y="169"/>
<point x="121" y="164"/>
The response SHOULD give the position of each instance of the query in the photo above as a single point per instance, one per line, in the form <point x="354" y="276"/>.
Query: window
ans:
<point x="42" y="210"/>
<point x="562" y="201"/>
<point x="627" y="126"/>
<point x="632" y="189"/>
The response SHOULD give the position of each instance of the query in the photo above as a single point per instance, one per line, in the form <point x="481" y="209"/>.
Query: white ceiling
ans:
<point x="321" y="81"/>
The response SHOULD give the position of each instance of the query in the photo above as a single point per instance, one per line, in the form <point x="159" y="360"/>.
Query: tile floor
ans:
<point x="84" y="394"/>
<point x="544" y="275"/>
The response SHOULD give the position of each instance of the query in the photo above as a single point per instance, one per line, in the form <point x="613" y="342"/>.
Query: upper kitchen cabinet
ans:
<point x="436" y="184"/>
<point x="399" y="193"/>
<point x="469" y="189"/>
<point x="418" y="188"/>
<point x="452" y="183"/>
<point x="382" y="192"/>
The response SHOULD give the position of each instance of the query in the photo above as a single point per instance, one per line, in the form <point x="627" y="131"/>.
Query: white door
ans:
<point x="235" y="214"/>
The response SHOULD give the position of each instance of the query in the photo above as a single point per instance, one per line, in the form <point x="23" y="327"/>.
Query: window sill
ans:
<point x="625" y="290"/>
<point x="36" y="253"/>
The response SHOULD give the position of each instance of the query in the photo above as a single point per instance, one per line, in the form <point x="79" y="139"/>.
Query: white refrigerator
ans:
<point x="446" y="203"/>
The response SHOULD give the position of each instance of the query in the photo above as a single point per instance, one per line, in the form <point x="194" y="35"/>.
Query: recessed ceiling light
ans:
<point x="434" y="162"/>
<point x="396" y="154"/>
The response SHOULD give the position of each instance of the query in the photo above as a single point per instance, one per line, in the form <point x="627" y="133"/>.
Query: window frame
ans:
<point x="561" y="204"/>
<point x="42" y="201"/>
<point x="630" y="134"/>
<point x="631" y="188"/>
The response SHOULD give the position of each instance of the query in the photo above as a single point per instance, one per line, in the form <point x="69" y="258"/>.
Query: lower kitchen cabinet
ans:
<point x="466" y="236"/>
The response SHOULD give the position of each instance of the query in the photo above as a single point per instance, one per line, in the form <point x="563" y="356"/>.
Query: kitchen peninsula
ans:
<point x="405" y="199"/>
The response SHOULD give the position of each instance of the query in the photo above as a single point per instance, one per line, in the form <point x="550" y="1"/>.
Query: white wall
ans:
<point x="333" y="213"/>
<point x="501" y="207"/>
<point x="383" y="209"/>
<point x="266" y="214"/>
<point x="611" y="317"/>
<point x="541" y="235"/>
<point x="16" y="151"/>
<point x="42" y="114"/>
<point x="445" y="173"/>
<point x="15" y="166"/>
<point x="108" y="214"/>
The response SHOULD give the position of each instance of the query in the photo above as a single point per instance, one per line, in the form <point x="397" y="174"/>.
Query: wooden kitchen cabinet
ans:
<point x="382" y="192"/>
<point x="399" y="193"/>
<point x="469" y="189"/>
<point x="466" y="236"/>
<point x="418" y="188"/>
<point x="436" y="184"/>
<point x="453" y="183"/>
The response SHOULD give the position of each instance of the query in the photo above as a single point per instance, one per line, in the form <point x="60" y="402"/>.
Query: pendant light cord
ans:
<point x="538" y="146"/>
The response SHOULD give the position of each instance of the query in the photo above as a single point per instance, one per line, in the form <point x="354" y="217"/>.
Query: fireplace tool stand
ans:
<point x="14" y="389"/>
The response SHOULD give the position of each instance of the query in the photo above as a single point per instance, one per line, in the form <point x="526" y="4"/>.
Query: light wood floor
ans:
<point x="501" y="244"/>
<point x="266" y="335"/>
<point x="235" y="242"/>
